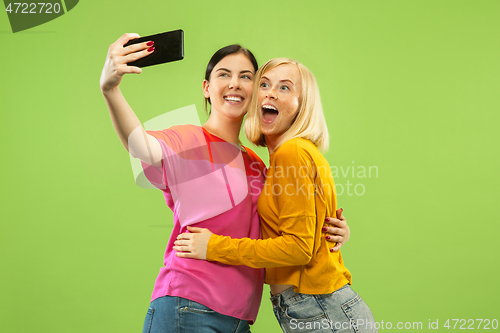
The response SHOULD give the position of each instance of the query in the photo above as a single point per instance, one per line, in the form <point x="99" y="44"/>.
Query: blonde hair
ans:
<point x="310" y="121"/>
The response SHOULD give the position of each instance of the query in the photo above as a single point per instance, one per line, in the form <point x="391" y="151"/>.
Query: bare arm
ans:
<point x="128" y="127"/>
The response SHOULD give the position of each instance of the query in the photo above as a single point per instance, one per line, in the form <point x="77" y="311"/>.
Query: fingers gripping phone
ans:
<point x="169" y="46"/>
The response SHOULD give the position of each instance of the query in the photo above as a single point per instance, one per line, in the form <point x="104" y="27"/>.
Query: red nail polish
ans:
<point x="150" y="43"/>
<point x="327" y="237"/>
<point x="331" y="250"/>
<point x="151" y="49"/>
<point x="327" y="219"/>
<point x="341" y="210"/>
<point x="323" y="229"/>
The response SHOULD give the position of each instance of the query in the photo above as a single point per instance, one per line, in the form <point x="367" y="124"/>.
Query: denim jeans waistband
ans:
<point x="290" y="293"/>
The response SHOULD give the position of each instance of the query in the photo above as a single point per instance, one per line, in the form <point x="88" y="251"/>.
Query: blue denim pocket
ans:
<point x="302" y="313"/>
<point x="196" y="317"/>
<point x="196" y="308"/>
<point x="148" y="321"/>
<point x="359" y="314"/>
<point x="303" y="307"/>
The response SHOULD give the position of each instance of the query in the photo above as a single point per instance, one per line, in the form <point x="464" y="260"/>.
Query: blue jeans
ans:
<point x="170" y="314"/>
<point x="341" y="311"/>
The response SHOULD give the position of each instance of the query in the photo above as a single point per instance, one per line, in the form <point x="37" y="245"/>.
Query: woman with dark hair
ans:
<point x="205" y="175"/>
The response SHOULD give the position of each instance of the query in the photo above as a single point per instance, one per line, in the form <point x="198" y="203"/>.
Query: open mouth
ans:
<point x="269" y="113"/>
<point x="233" y="98"/>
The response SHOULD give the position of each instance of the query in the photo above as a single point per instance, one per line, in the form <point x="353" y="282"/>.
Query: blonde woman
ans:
<point x="309" y="283"/>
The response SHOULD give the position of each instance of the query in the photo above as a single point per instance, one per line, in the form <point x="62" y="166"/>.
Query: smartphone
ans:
<point x="169" y="46"/>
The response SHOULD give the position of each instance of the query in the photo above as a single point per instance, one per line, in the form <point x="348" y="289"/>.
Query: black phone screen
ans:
<point x="169" y="46"/>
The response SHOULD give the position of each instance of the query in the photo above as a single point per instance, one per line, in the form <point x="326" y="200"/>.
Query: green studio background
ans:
<point x="410" y="89"/>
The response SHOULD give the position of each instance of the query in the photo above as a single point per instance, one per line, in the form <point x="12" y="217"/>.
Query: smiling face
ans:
<point x="230" y="86"/>
<point x="279" y="100"/>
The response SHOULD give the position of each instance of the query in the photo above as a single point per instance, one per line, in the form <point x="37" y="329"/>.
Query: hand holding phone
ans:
<point x="169" y="46"/>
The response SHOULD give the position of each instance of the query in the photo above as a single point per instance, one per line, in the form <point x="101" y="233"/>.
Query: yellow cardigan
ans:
<point x="298" y="195"/>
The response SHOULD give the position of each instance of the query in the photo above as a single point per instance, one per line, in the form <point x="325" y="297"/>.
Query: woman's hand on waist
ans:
<point x="194" y="244"/>
<point x="337" y="230"/>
